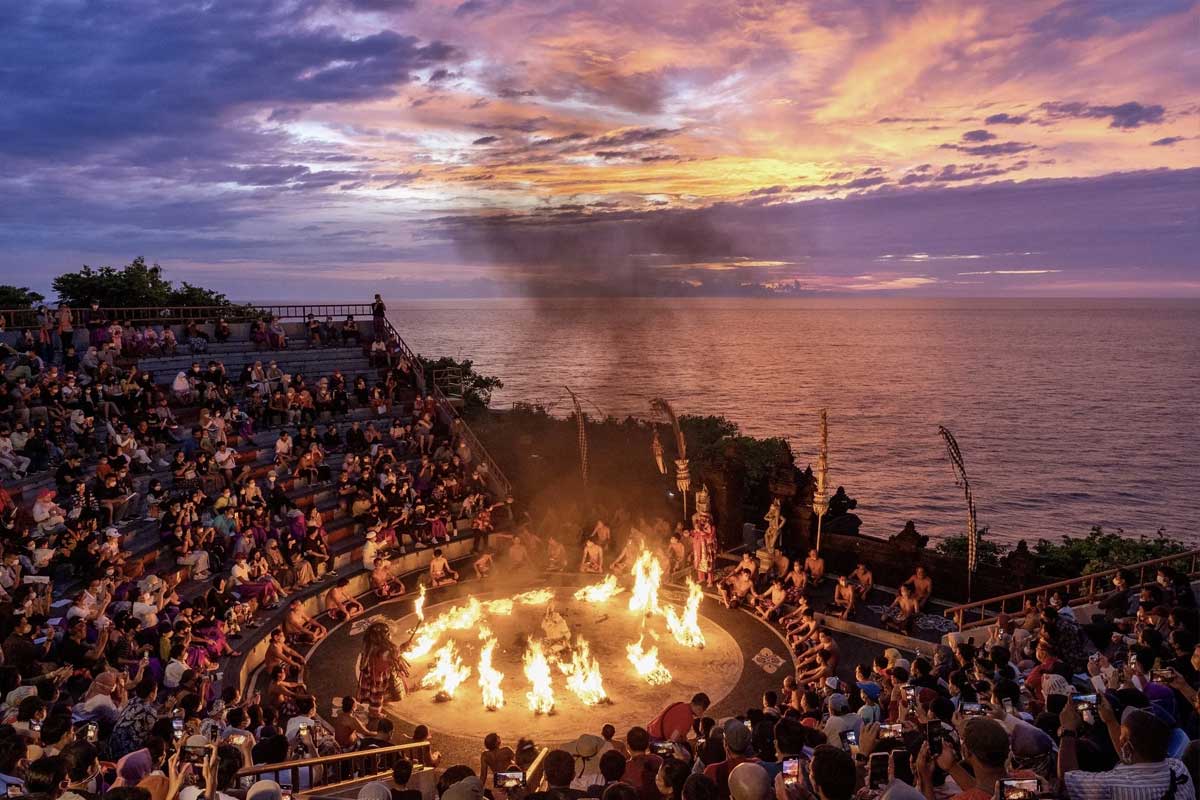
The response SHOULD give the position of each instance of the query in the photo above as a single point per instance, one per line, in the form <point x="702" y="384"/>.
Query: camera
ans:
<point x="510" y="780"/>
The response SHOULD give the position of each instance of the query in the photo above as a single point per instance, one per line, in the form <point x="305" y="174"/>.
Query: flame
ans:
<point x="537" y="671"/>
<point x="686" y="629"/>
<point x="647" y="573"/>
<point x="490" y="677"/>
<point x="456" y="618"/>
<point x="447" y="673"/>
<point x="599" y="592"/>
<point x="647" y="664"/>
<point x="583" y="675"/>
<point x="534" y="597"/>
<point x="502" y="607"/>
<point x="419" y="604"/>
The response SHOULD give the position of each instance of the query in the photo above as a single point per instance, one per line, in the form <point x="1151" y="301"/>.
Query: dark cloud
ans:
<point x="1126" y="115"/>
<point x="529" y="125"/>
<point x="634" y="136"/>
<point x="380" y="5"/>
<point x="486" y="140"/>
<point x="610" y="154"/>
<point x="1167" y="141"/>
<point x="510" y="93"/>
<point x="480" y="7"/>
<point x="1005" y="119"/>
<point x="890" y="120"/>
<point x="664" y="157"/>
<point x="979" y="135"/>
<point x="990" y="150"/>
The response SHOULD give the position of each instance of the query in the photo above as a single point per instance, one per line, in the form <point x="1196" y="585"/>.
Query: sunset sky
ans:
<point x="333" y="148"/>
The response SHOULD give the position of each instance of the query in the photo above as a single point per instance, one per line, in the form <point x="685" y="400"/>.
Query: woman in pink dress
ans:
<point x="704" y="548"/>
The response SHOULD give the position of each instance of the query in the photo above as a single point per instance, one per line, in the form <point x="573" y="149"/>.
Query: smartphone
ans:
<point x="238" y="739"/>
<point x="1008" y="706"/>
<point x="177" y="728"/>
<point x="791" y="771"/>
<point x="1018" y="789"/>
<point x="662" y="748"/>
<point x="14" y="790"/>
<point x="933" y="735"/>
<point x="877" y="771"/>
<point x="1162" y="675"/>
<point x="510" y="780"/>
<point x="749" y="726"/>
<point x="303" y="730"/>
<point x="971" y="709"/>
<point x="1085" y="704"/>
<point x="285" y="791"/>
<point x="849" y="740"/>
<point x="34" y="725"/>
<point x="93" y="732"/>
<point x="902" y="765"/>
<point x="193" y="754"/>
<point x="891" y="730"/>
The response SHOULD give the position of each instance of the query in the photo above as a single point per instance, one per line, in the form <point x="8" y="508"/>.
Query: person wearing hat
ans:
<point x="738" y="750"/>
<point x="870" y="711"/>
<point x="587" y="750"/>
<point x="1145" y="772"/>
<point x="841" y="719"/>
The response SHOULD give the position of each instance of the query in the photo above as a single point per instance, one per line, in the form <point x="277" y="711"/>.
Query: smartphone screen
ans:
<point x="177" y="728"/>
<point x="791" y="771"/>
<point x="972" y="709"/>
<point x="933" y="735"/>
<point x="93" y="732"/>
<point x="192" y="754"/>
<point x="1162" y="675"/>
<point x="892" y="730"/>
<point x="285" y="791"/>
<point x="510" y="780"/>
<point x="849" y="740"/>
<point x="1019" y="789"/>
<point x="1008" y="707"/>
<point x="877" y="772"/>
<point x="14" y="790"/>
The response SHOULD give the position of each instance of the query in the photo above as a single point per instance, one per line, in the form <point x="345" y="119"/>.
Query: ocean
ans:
<point x="1069" y="413"/>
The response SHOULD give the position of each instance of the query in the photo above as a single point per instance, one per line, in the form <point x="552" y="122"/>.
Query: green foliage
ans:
<point x="134" y="285"/>
<point x="712" y="440"/>
<point x="18" y="297"/>
<point x="986" y="552"/>
<point x="1074" y="556"/>
<point x="477" y="388"/>
<point x="1100" y="551"/>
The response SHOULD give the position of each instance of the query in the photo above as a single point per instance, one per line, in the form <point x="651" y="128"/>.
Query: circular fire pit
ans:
<point x="605" y="662"/>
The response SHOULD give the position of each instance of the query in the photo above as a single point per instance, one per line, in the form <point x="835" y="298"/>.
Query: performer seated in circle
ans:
<point x="382" y="580"/>
<point x="483" y="564"/>
<point x="676" y="554"/>
<point x="813" y="657"/>
<point x="340" y="604"/>
<point x="556" y="555"/>
<point x="278" y="653"/>
<point x="770" y="603"/>
<point x="440" y="573"/>
<point x="736" y="588"/>
<point x="593" y="557"/>
<point x="802" y="630"/>
<point x="750" y="564"/>
<point x="904" y="619"/>
<point x="922" y="586"/>
<point x="814" y="565"/>
<point x="634" y="546"/>
<point x="300" y="626"/>
<point x="844" y="598"/>
<point x="863" y="579"/>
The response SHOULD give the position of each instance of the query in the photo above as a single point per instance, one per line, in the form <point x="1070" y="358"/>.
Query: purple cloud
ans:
<point x="978" y="136"/>
<point x="1126" y="115"/>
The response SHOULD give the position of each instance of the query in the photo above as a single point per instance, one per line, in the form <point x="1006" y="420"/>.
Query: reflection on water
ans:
<point x="1069" y="413"/>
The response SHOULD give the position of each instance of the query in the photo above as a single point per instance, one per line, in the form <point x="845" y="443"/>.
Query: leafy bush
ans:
<point x="18" y="297"/>
<point x="1100" y="551"/>
<point x="477" y="388"/>
<point x="135" y="285"/>
<point x="987" y="553"/>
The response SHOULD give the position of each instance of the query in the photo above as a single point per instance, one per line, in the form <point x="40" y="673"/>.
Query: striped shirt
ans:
<point x="1132" y="782"/>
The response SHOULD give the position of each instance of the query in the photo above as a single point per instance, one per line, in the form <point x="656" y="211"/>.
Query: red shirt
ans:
<point x="673" y="722"/>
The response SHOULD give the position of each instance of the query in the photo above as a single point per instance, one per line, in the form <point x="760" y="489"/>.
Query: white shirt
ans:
<point x="1131" y="782"/>
<point x="174" y="673"/>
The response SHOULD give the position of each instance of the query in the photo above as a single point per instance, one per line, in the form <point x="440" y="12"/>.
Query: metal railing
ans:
<point x="325" y="772"/>
<point x="175" y="315"/>
<point x="1077" y="591"/>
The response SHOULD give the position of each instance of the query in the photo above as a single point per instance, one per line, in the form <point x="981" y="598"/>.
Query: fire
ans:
<point x="456" y="618"/>
<point x="583" y="675"/>
<point x="534" y="597"/>
<point x="489" y="678"/>
<point x="686" y="629"/>
<point x="419" y="604"/>
<point x="502" y="607"/>
<point x="647" y="573"/>
<point x="537" y="671"/>
<point x="447" y="673"/>
<point x="599" y="592"/>
<point x="647" y="664"/>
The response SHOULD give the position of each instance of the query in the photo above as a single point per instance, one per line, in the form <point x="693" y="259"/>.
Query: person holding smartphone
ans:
<point x="985" y="748"/>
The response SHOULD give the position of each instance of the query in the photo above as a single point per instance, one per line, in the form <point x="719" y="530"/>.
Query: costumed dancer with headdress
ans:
<point x="704" y="548"/>
<point x="382" y="670"/>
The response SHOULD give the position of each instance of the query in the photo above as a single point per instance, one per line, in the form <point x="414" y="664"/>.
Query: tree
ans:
<point x="134" y="285"/>
<point x="18" y="297"/>
<point x="477" y="388"/>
